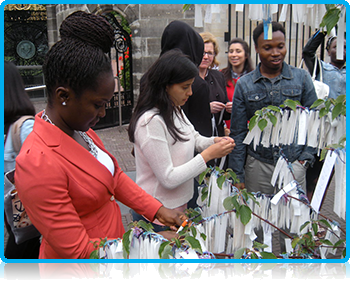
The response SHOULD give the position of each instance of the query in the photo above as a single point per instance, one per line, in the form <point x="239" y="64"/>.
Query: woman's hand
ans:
<point x="216" y="106"/>
<point x="222" y="147"/>
<point x="170" y="217"/>
<point x="228" y="107"/>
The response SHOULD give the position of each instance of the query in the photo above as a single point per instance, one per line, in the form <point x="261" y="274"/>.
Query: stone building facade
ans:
<point x="147" y="22"/>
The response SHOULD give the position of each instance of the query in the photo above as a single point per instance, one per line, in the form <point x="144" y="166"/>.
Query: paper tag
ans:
<point x="323" y="180"/>
<point x="292" y="185"/>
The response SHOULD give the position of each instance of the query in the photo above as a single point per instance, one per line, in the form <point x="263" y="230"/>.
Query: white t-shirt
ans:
<point x="163" y="169"/>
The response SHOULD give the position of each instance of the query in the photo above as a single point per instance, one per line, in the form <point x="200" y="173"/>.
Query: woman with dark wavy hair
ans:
<point x="239" y="63"/>
<point x="165" y="140"/>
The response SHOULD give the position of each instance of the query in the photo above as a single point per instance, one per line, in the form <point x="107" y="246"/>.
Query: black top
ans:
<point x="217" y="92"/>
<point x="197" y="108"/>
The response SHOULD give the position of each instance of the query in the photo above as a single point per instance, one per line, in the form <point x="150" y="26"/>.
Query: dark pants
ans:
<point x="28" y="250"/>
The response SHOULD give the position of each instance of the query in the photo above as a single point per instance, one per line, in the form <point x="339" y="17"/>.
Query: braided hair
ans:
<point x="79" y="58"/>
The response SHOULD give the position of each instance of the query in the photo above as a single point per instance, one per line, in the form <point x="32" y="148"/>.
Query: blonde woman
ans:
<point x="219" y="108"/>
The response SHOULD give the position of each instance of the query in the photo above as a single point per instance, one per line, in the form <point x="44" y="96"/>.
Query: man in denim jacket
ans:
<point x="271" y="83"/>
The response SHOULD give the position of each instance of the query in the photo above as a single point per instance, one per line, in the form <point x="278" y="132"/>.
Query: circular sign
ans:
<point x="26" y="49"/>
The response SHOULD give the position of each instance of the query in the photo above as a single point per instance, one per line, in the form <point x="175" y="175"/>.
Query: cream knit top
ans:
<point x="164" y="169"/>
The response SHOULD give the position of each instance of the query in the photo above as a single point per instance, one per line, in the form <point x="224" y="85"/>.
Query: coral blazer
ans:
<point x="70" y="196"/>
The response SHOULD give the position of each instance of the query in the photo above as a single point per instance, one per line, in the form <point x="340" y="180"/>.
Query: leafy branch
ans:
<point x="331" y="17"/>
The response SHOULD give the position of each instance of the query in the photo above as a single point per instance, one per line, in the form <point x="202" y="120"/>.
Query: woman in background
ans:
<point x="16" y="105"/>
<point x="239" y="63"/>
<point x="217" y="88"/>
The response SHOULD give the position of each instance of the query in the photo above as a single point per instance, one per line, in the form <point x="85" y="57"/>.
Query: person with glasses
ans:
<point x="216" y="82"/>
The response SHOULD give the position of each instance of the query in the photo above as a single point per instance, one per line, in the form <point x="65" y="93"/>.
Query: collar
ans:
<point x="54" y="138"/>
<point x="285" y="74"/>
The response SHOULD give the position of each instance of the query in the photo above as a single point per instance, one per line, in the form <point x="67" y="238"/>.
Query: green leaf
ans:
<point x="326" y="242"/>
<point x="220" y="181"/>
<point x="239" y="253"/>
<point x="185" y="7"/>
<point x="266" y="255"/>
<point x="162" y="247"/>
<point x="295" y="241"/>
<point x="252" y="197"/>
<point x="203" y="236"/>
<point x="272" y="118"/>
<point x="323" y="112"/>
<point x="127" y="237"/>
<point x="330" y="19"/>
<point x="194" y="243"/>
<point x="342" y="140"/>
<point x="323" y="154"/>
<point x="177" y="242"/>
<point x="262" y="124"/>
<point x="204" y="196"/>
<point x="228" y="204"/>
<point x="337" y="110"/>
<point x="291" y="103"/>
<point x="273" y="108"/>
<point x="259" y="246"/>
<point x="304" y="225"/>
<point x="340" y="99"/>
<point x="325" y="223"/>
<point x="317" y="103"/>
<point x="193" y="231"/>
<point x="202" y="175"/>
<point x="314" y="228"/>
<point x="145" y="226"/>
<point x="94" y="254"/>
<point x="232" y="175"/>
<point x="167" y="253"/>
<point x="252" y="123"/>
<point x="244" y="194"/>
<point x="235" y="202"/>
<point x="245" y="214"/>
<point x="337" y="244"/>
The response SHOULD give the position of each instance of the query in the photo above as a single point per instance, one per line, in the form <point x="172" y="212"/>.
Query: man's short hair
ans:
<point x="260" y="29"/>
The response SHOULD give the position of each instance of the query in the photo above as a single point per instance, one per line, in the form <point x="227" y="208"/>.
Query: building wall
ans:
<point x="147" y="22"/>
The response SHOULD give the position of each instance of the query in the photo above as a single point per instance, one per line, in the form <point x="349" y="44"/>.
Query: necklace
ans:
<point x="86" y="138"/>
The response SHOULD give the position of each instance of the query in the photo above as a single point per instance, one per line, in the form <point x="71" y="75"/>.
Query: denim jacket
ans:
<point x="335" y="78"/>
<point x="253" y="92"/>
<point x="332" y="76"/>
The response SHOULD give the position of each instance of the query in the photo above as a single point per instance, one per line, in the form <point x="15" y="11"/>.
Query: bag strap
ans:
<point x="317" y="62"/>
<point x="16" y="131"/>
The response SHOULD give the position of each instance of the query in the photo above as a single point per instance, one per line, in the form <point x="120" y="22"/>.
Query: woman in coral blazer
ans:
<point x="73" y="195"/>
<point x="66" y="179"/>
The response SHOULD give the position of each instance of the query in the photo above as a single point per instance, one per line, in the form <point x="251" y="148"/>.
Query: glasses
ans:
<point x="209" y="54"/>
